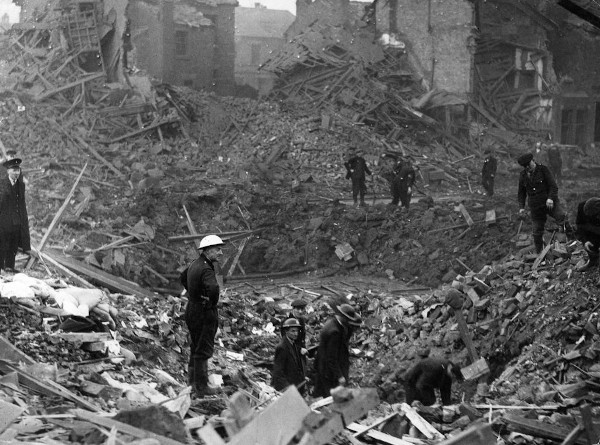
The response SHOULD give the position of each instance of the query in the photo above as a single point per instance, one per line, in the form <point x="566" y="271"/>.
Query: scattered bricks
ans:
<point x="512" y="291"/>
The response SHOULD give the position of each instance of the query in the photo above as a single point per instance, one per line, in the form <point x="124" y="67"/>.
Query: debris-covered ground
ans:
<point x="277" y="190"/>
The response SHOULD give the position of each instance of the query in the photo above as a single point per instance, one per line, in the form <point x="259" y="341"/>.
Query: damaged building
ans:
<point x="494" y="65"/>
<point x="188" y="43"/>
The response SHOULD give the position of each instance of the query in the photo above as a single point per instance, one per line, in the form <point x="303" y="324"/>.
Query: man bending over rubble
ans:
<point x="588" y="231"/>
<point x="427" y="375"/>
<point x="537" y="185"/>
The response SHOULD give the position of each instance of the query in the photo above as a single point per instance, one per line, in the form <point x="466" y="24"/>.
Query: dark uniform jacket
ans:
<point x="537" y="187"/>
<point x="289" y="367"/>
<point x="406" y="174"/>
<point x="13" y="211"/>
<point x="356" y="167"/>
<point x="202" y="286"/>
<point x="588" y="228"/>
<point x="333" y="357"/>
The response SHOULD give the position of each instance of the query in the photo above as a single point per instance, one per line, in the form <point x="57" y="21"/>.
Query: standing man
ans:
<point x="201" y="315"/>
<point x="332" y="364"/>
<point x="402" y="184"/>
<point x="356" y="168"/>
<point x="298" y="310"/>
<point x="289" y="365"/>
<point x="537" y="185"/>
<point x="488" y="173"/>
<point x="14" y="222"/>
<point x="555" y="162"/>
<point x="588" y="231"/>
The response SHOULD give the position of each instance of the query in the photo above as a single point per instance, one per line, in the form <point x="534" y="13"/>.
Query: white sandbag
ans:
<point x="17" y="290"/>
<point x="89" y="297"/>
<point x="41" y="288"/>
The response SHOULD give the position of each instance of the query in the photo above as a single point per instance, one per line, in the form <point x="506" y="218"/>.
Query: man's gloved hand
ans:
<point x="549" y="204"/>
<point x="303" y="351"/>
<point x="588" y="246"/>
<point x="410" y="190"/>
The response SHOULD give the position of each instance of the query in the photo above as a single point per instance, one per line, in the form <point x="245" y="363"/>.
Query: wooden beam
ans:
<point x="110" y="281"/>
<point x="57" y="218"/>
<point x="536" y="428"/>
<point x="66" y="272"/>
<point x="45" y="386"/>
<point x="68" y="86"/>
<point x="124" y="427"/>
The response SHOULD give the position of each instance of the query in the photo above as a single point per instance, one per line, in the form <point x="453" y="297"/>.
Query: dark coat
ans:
<point x="333" y="357"/>
<point x="422" y="379"/>
<point x="537" y="187"/>
<point x="289" y="368"/>
<point x="490" y="166"/>
<point x="201" y="316"/>
<point x="588" y="229"/>
<point x="13" y="210"/>
<point x="356" y="168"/>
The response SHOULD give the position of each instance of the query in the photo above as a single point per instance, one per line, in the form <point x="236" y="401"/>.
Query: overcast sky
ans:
<point x="7" y="6"/>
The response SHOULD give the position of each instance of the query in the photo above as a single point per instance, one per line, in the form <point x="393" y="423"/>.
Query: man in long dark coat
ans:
<point x="201" y="316"/>
<point x="488" y="173"/>
<point x="538" y="187"/>
<point x="356" y="168"/>
<point x="14" y="223"/>
<point x="402" y="183"/>
<point x="332" y="364"/>
<point x="289" y="365"/>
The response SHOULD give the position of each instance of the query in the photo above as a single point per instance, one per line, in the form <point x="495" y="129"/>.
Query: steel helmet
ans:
<point x="291" y="323"/>
<point x="209" y="241"/>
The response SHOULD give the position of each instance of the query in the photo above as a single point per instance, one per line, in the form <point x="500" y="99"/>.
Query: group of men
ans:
<point x="332" y="362"/>
<point x="401" y="178"/>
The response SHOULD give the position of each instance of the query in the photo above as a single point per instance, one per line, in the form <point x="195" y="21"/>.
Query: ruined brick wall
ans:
<point x="437" y="35"/>
<point x="333" y="12"/>
<point x="225" y="50"/>
<point x="246" y="69"/>
<point x="146" y="38"/>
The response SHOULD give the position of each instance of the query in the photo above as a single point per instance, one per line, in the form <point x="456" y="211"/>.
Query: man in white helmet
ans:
<point x="201" y="315"/>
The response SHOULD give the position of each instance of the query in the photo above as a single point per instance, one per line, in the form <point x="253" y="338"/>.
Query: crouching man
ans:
<point x="421" y="381"/>
<point x="588" y="231"/>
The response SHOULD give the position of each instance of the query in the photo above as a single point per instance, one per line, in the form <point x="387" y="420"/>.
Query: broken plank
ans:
<point x="143" y="130"/>
<point x="378" y="435"/>
<point x="66" y="272"/>
<point x="539" y="429"/>
<point x="237" y="256"/>
<point x="124" y="427"/>
<point x="375" y="424"/>
<point x="46" y="386"/>
<point x="110" y="281"/>
<point x="541" y="256"/>
<point x="57" y="217"/>
<point x="191" y="226"/>
<point x="11" y="354"/>
<point x="222" y="235"/>
<point x="475" y="435"/>
<point x="68" y="86"/>
<point x="465" y="214"/>
<point x="488" y="116"/>
<point x="421" y="424"/>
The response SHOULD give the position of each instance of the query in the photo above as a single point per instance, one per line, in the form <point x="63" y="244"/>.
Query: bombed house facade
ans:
<point x="181" y="42"/>
<point x="185" y="42"/>
<point x="512" y="61"/>
<point x="259" y="32"/>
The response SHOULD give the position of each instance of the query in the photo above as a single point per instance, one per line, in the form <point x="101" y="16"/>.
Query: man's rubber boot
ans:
<point x="201" y="387"/>
<point x="592" y="262"/>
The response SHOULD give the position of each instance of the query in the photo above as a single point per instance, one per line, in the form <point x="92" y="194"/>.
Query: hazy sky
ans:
<point x="7" y="6"/>
<point x="290" y="5"/>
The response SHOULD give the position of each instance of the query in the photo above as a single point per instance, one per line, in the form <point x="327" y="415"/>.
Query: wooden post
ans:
<point x="57" y="218"/>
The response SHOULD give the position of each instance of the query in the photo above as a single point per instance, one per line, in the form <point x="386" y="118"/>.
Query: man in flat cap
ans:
<point x="588" y="231"/>
<point x="14" y="223"/>
<point x="538" y="187"/>
<point x="332" y="364"/>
